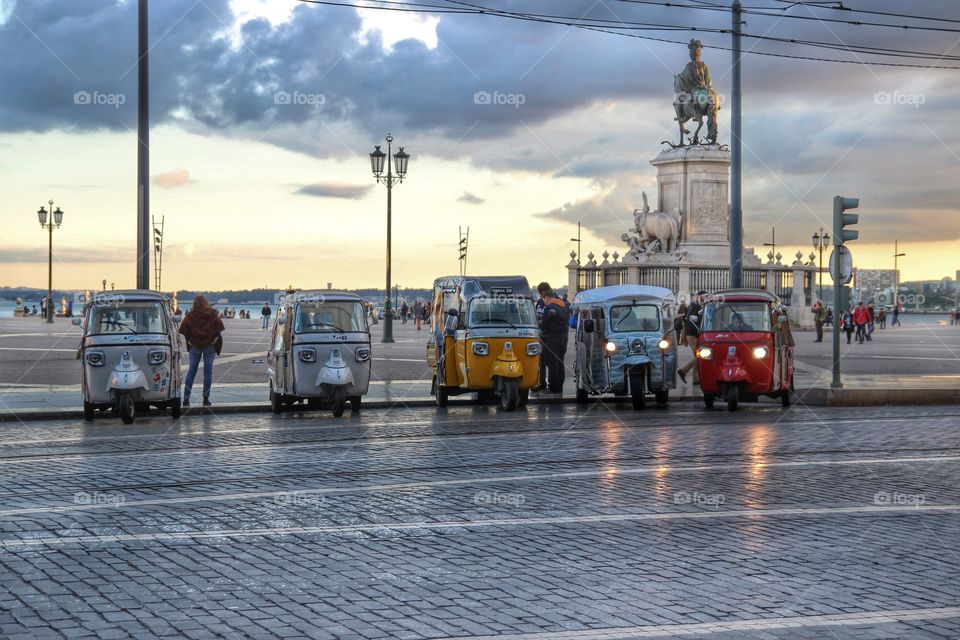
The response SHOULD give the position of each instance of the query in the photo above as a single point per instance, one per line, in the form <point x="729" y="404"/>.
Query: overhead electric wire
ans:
<point x="765" y="11"/>
<point x="889" y="14"/>
<point x="616" y="27"/>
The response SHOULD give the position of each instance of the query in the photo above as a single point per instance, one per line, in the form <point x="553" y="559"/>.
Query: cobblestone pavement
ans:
<point x="558" y="522"/>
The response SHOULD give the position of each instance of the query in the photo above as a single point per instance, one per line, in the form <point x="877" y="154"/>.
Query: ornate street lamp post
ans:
<point x="56" y="217"/>
<point x="377" y="160"/>
<point x="820" y="242"/>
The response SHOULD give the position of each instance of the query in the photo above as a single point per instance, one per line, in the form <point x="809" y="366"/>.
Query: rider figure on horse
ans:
<point x="695" y="95"/>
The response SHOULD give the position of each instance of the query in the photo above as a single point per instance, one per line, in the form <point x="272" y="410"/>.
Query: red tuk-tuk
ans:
<point x="744" y="348"/>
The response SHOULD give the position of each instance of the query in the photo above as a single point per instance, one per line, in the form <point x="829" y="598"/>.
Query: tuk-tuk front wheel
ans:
<point x="127" y="408"/>
<point x="733" y="397"/>
<point x="276" y="402"/>
<point x="88" y="411"/>
<point x="509" y="394"/>
<point x="708" y="400"/>
<point x="440" y="393"/>
<point x="339" y="401"/>
<point x="355" y="402"/>
<point x="582" y="396"/>
<point x="785" y="398"/>
<point x="637" y="391"/>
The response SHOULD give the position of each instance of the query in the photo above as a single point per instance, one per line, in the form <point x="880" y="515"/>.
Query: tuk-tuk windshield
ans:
<point x="737" y="315"/>
<point x="505" y="311"/>
<point x="330" y="317"/>
<point x="128" y="317"/>
<point x="640" y="317"/>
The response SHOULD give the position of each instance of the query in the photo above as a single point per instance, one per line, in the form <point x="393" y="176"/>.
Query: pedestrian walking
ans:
<point x="404" y="312"/>
<point x="860" y="320"/>
<point x="265" y="314"/>
<point x="691" y="329"/>
<point x="538" y="306"/>
<point x="846" y="324"/>
<point x="895" y="320"/>
<point x="819" y="317"/>
<point x="882" y="318"/>
<point x="872" y="315"/>
<point x="554" y="331"/>
<point x="202" y="328"/>
<point x="418" y="314"/>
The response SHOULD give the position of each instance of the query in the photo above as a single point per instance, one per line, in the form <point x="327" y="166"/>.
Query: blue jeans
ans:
<point x="208" y="354"/>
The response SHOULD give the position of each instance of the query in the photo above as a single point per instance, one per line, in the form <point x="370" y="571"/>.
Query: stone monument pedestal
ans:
<point x="695" y="180"/>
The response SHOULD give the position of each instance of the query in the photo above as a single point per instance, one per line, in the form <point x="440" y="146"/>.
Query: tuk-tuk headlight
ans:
<point x="611" y="346"/>
<point x="638" y="346"/>
<point x="705" y="353"/>
<point x="307" y="355"/>
<point x="95" y="358"/>
<point x="157" y="356"/>
<point x="664" y="344"/>
<point x="760" y="353"/>
<point x="481" y="348"/>
<point x="363" y="354"/>
<point x="533" y="349"/>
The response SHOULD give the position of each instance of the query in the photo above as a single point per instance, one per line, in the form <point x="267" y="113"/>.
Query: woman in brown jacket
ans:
<point x="201" y="327"/>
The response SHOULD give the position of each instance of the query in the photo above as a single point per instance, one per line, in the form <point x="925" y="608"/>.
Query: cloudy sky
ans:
<point x="264" y="111"/>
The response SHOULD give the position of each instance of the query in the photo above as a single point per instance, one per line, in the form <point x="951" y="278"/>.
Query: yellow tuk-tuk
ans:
<point x="484" y="339"/>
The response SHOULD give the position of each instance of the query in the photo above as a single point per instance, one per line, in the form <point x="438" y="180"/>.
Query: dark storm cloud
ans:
<point x="811" y="129"/>
<point x="334" y="190"/>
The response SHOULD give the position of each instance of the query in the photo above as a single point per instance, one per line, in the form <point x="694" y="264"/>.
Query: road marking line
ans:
<point x="37" y="349"/>
<point x="726" y="626"/>
<point x="433" y="484"/>
<point x="469" y="524"/>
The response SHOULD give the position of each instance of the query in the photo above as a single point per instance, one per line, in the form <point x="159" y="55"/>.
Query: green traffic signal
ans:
<point x="841" y="220"/>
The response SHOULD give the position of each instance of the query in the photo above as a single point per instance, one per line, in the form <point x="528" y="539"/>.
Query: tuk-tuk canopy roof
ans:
<point x="624" y="293"/>
<point x="743" y="294"/>
<point x="120" y="296"/>
<point x="321" y="295"/>
<point x="475" y="287"/>
<point x="447" y="283"/>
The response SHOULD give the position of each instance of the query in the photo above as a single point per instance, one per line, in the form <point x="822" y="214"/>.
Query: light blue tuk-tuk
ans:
<point x="625" y="343"/>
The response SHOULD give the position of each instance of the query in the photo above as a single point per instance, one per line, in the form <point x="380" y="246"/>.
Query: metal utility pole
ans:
<point x="578" y="241"/>
<point x="158" y="252"/>
<point x="463" y="245"/>
<point x="736" y="205"/>
<point x="772" y="244"/>
<point x="896" y="275"/>
<point x="143" y="149"/>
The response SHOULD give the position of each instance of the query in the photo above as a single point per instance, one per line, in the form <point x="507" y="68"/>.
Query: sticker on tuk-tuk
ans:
<point x="161" y="379"/>
<point x="136" y="338"/>
<point x="501" y="291"/>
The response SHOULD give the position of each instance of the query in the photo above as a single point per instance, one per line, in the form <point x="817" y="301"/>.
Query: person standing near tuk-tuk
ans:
<point x="265" y="314"/>
<point x="819" y="318"/>
<point x="538" y="306"/>
<point x="860" y="318"/>
<point x="202" y="328"/>
<point x="691" y="329"/>
<point x="554" y="331"/>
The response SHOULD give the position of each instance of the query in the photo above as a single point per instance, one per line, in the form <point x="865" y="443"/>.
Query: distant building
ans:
<point x="870" y="282"/>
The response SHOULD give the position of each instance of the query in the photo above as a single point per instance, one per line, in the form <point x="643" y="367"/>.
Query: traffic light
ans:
<point x="841" y="220"/>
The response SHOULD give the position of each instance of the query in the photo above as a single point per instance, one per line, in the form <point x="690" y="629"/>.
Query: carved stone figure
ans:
<point x="695" y="97"/>
<point x="657" y="232"/>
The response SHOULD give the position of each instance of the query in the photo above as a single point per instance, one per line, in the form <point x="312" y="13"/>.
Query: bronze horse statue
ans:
<point x="694" y="106"/>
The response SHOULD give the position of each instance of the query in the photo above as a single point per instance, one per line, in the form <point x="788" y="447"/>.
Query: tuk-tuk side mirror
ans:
<point x="588" y="325"/>
<point x="450" y="325"/>
<point x="76" y="322"/>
